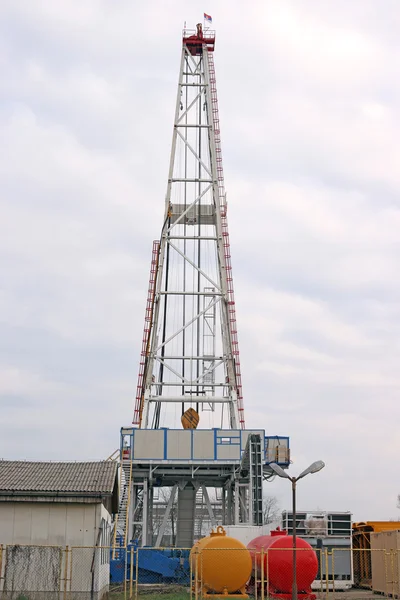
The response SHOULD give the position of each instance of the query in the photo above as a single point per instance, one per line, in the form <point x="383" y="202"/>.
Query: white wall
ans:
<point x="54" y="524"/>
<point x="44" y="523"/>
<point x="104" y="555"/>
<point x="246" y="533"/>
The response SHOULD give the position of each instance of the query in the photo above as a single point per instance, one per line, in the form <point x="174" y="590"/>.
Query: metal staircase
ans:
<point x="252" y="465"/>
<point x="199" y="513"/>
<point x="122" y="518"/>
<point x="256" y="479"/>
<point x="137" y="512"/>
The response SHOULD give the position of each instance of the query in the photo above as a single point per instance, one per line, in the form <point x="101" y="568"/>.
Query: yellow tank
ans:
<point x="221" y="565"/>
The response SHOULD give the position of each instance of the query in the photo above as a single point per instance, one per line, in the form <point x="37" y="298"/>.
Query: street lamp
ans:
<point x="313" y="468"/>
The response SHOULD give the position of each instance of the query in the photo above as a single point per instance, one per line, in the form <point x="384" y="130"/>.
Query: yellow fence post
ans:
<point x="203" y="583"/>
<point x="262" y="572"/>
<point x="255" y="575"/>
<point x="333" y="571"/>
<point x="71" y="553"/>
<point x="190" y="578"/>
<point x="125" y="571"/>
<point x="326" y="573"/>
<point x="60" y="570"/>
<point x="65" y="572"/>
<point x="131" y="567"/>
<point x="137" y="573"/>
<point x="1" y="565"/>
<point x="196" y="574"/>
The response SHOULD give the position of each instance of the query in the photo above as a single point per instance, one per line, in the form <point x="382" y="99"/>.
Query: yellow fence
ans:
<point x="87" y="573"/>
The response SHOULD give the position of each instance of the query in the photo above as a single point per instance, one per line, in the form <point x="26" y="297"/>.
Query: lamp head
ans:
<point x="313" y="468"/>
<point x="279" y="471"/>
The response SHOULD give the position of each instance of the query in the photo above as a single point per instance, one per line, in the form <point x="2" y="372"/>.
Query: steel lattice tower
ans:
<point x="190" y="354"/>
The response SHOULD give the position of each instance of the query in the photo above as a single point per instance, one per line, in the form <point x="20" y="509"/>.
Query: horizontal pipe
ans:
<point x="209" y="294"/>
<point x="187" y="399"/>
<point x="187" y="125"/>
<point x="190" y="180"/>
<point x="208" y="358"/>
<point x="192" y="237"/>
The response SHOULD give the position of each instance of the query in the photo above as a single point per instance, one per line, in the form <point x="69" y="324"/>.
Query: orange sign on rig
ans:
<point x="190" y="419"/>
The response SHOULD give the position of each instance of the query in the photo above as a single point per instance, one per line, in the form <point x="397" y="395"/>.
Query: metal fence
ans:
<point x="100" y="573"/>
<point x="54" y="572"/>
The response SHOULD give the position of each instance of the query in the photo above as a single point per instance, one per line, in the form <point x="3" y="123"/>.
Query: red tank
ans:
<point x="278" y="564"/>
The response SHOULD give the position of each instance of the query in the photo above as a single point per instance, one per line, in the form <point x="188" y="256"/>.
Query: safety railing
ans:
<point x="29" y="572"/>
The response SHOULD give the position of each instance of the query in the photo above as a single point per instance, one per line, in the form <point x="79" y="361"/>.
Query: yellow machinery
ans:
<point x="221" y="566"/>
<point x="362" y="548"/>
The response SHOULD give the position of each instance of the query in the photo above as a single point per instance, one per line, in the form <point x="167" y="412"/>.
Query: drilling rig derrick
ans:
<point x="189" y="371"/>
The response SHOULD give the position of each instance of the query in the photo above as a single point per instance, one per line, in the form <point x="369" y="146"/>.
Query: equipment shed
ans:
<point x="55" y="525"/>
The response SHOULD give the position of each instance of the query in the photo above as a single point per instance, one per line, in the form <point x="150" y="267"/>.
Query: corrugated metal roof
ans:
<point x="62" y="477"/>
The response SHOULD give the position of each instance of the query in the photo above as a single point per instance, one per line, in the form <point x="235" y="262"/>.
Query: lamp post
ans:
<point x="313" y="468"/>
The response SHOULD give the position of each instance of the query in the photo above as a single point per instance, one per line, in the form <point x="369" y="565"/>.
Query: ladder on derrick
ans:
<point x="225" y="236"/>
<point x="148" y="322"/>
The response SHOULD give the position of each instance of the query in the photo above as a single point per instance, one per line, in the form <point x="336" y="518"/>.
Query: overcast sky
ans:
<point x="309" y="95"/>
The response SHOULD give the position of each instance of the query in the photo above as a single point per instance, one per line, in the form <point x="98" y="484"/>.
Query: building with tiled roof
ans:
<point x="56" y="518"/>
<point x="74" y="480"/>
<point x="57" y="503"/>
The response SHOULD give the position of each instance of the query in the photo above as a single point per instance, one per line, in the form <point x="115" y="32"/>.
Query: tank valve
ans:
<point x="219" y="531"/>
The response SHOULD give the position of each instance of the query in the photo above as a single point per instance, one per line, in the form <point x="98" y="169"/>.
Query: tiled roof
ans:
<point x="58" y="477"/>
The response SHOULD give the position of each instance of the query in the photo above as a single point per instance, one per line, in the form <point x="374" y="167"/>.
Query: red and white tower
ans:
<point x="190" y="353"/>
